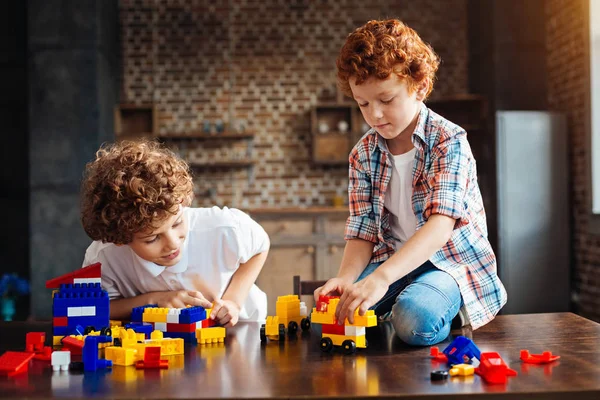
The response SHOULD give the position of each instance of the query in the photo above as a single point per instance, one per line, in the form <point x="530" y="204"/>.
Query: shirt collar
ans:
<point x="155" y="269"/>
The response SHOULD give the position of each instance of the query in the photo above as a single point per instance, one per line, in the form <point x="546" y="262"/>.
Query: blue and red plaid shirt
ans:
<point x="444" y="182"/>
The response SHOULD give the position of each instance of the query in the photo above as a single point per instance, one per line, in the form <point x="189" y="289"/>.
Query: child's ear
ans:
<point x="422" y="89"/>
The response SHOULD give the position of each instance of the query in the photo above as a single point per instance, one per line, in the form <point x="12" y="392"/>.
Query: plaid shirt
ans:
<point x="444" y="182"/>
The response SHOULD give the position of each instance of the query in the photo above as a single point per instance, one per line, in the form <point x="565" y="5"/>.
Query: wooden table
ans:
<point x="297" y="368"/>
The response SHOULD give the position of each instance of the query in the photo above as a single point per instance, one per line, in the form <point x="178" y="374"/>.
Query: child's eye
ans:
<point x="177" y="223"/>
<point x="152" y="240"/>
<point x="387" y="101"/>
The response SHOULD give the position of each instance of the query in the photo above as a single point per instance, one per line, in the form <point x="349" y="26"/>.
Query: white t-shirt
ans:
<point x="218" y="241"/>
<point x="398" y="198"/>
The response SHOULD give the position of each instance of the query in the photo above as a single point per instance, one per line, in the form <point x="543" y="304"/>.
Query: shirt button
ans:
<point x="173" y="281"/>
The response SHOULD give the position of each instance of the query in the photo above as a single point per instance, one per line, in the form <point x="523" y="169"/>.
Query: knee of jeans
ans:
<point x="416" y="326"/>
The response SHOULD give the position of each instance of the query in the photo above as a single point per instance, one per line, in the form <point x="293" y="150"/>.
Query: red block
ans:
<point x="14" y="362"/>
<point x="333" y="329"/>
<point x="493" y="369"/>
<point x="34" y="342"/>
<point x="438" y="355"/>
<point x="544" y="358"/>
<point x="75" y="346"/>
<point x="152" y="359"/>
<point x="60" y="321"/>
<point x="186" y="328"/>
<point x="207" y="323"/>
<point x="91" y="271"/>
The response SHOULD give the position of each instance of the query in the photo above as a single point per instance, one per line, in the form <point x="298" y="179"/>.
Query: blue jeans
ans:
<point x="423" y="304"/>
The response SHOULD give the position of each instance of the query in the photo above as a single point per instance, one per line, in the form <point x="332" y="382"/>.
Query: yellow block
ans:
<point x="210" y="335"/>
<point x="462" y="370"/>
<point x="154" y="314"/>
<point x="272" y="326"/>
<point x="168" y="346"/>
<point x="120" y="355"/>
<point x="361" y="341"/>
<point x="56" y="340"/>
<point x="367" y="320"/>
<point x="319" y="317"/>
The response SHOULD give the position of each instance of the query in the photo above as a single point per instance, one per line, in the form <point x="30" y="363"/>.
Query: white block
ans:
<point x="74" y="311"/>
<point x="60" y="360"/>
<point x="173" y="316"/>
<point x="160" y="326"/>
<point x="199" y="325"/>
<point x="89" y="311"/>
<point x="87" y="280"/>
<point x="355" y="330"/>
<point x="303" y="309"/>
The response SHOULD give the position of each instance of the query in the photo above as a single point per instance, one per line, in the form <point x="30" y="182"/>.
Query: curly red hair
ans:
<point x="379" y="48"/>
<point x="131" y="187"/>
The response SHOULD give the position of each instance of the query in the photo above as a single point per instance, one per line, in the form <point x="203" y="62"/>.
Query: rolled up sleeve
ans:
<point x="361" y="223"/>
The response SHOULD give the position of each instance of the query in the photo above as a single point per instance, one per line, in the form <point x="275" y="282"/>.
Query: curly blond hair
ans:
<point x="131" y="187"/>
<point x="379" y="48"/>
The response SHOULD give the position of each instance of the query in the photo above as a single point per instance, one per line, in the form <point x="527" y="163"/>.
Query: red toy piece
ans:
<point x="14" y="362"/>
<point x="544" y="358"/>
<point x="152" y="359"/>
<point x="437" y="355"/>
<point x="74" y="345"/>
<point x="34" y="343"/>
<point x="493" y="369"/>
<point x="91" y="271"/>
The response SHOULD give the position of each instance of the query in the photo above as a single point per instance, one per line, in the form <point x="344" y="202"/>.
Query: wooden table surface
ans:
<point x="297" y="368"/>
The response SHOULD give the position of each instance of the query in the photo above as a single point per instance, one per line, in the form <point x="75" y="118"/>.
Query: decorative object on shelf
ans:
<point x="219" y="126"/>
<point x="323" y="127"/>
<point x="11" y="287"/>
<point x="135" y="120"/>
<point x="206" y="126"/>
<point x="343" y="126"/>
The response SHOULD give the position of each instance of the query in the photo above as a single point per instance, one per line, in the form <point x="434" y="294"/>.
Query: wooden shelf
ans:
<point x="222" y="164"/>
<point x="206" y="136"/>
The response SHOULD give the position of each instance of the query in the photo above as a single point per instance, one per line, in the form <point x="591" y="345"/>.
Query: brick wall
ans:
<point x="568" y="88"/>
<point x="263" y="64"/>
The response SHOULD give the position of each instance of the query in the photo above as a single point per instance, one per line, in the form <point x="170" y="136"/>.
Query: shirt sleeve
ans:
<point x="361" y="222"/>
<point x="448" y="179"/>
<point x="251" y="238"/>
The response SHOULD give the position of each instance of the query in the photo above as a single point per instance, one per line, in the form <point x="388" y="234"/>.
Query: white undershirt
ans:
<point x="398" y="198"/>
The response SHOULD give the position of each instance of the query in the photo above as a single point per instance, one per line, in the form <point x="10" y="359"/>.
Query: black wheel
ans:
<point x="292" y="328"/>
<point x="263" y="335"/>
<point x="106" y="331"/>
<point x="281" y="332"/>
<point x="349" y="346"/>
<point x="88" y="329"/>
<point x="326" y="344"/>
<point x="305" y="324"/>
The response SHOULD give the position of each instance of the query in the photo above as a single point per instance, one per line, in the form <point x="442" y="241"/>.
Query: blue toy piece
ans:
<point x="138" y="312"/>
<point x="90" y="353"/>
<point x="460" y="350"/>
<point x="192" y="314"/>
<point x="141" y="327"/>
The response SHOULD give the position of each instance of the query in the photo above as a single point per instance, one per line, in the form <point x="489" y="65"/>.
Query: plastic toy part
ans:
<point x="61" y="360"/>
<point x="493" y="369"/>
<point x="210" y="335"/>
<point x="544" y="358"/>
<point x="14" y="362"/>
<point x="462" y="370"/>
<point x="90" y="353"/>
<point x="291" y="314"/>
<point x="461" y="350"/>
<point x="437" y="355"/>
<point x="439" y="375"/>
<point x="152" y="359"/>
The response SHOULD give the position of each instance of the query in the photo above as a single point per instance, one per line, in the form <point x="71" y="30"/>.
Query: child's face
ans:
<point x="162" y="245"/>
<point x="387" y="105"/>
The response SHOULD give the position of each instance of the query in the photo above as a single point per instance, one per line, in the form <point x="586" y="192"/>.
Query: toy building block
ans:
<point x="92" y="271"/>
<point x="272" y="329"/>
<point x="14" y="362"/>
<point x="461" y="350"/>
<point x="152" y="359"/>
<point x="210" y="335"/>
<point x="462" y="370"/>
<point x="168" y="346"/>
<point x="544" y="358"/>
<point x="292" y="313"/>
<point x="90" y="353"/>
<point x="437" y="355"/>
<point x="493" y="369"/>
<point x="34" y="343"/>
<point x="61" y="360"/>
<point x="120" y="355"/>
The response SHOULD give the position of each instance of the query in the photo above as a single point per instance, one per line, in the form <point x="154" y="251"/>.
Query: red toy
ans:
<point x="493" y="369"/>
<point x="437" y="355"/>
<point x="544" y="358"/>
<point x="34" y="343"/>
<point x="152" y="359"/>
<point x="14" y="362"/>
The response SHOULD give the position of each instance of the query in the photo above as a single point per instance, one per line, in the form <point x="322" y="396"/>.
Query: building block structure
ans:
<point x="79" y="300"/>
<point x="348" y="336"/>
<point x="291" y="313"/>
<point x="461" y="350"/>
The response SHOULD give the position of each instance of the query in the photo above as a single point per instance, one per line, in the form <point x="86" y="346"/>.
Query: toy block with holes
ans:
<point x="291" y="313"/>
<point x="348" y="336"/>
<point x="79" y="300"/>
<point x="493" y="369"/>
<point x="179" y="323"/>
<point x="215" y="334"/>
<point x="168" y="346"/>
<point x="461" y="350"/>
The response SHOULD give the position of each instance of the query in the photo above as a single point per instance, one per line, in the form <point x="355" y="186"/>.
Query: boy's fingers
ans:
<point x="215" y="308"/>
<point x="200" y="299"/>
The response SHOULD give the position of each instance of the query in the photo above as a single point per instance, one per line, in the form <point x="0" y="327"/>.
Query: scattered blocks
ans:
<point x="61" y="360"/>
<point x="14" y="363"/>
<point x="544" y="358"/>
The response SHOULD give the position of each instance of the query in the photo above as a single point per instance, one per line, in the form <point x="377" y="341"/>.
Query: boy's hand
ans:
<point x="333" y="287"/>
<point x="181" y="299"/>
<point x="362" y="295"/>
<point x="225" y="312"/>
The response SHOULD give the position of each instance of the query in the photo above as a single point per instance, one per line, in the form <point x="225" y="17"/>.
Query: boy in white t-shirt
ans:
<point x="154" y="249"/>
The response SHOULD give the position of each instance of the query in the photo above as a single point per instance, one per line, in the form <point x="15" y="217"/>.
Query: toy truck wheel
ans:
<point x="106" y="331"/>
<point x="89" y="329"/>
<point x="292" y="328"/>
<point x="263" y="335"/>
<point x="326" y="344"/>
<point x="281" y="332"/>
<point x="349" y="346"/>
<point x="305" y="324"/>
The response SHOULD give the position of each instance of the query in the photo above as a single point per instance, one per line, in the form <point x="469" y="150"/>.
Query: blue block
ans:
<point x="141" y="327"/>
<point x="188" y="337"/>
<point x="90" y="353"/>
<point x="461" y="348"/>
<point x="192" y="314"/>
<point x="138" y="312"/>
<point x="97" y="322"/>
<point x="80" y="288"/>
<point x="60" y="331"/>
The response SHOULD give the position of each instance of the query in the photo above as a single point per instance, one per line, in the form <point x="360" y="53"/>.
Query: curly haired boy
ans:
<point x="417" y="250"/>
<point x="155" y="249"/>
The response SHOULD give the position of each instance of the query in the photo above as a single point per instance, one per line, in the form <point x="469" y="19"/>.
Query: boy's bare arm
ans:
<point x="357" y="255"/>
<point x="121" y="308"/>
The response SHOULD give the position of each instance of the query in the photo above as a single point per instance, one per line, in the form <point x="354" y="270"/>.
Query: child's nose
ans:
<point x="172" y="241"/>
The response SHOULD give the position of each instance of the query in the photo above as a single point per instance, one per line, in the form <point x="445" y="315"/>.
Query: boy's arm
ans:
<point x="121" y="308"/>
<point x="226" y="310"/>
<point x="434" y="234"/>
